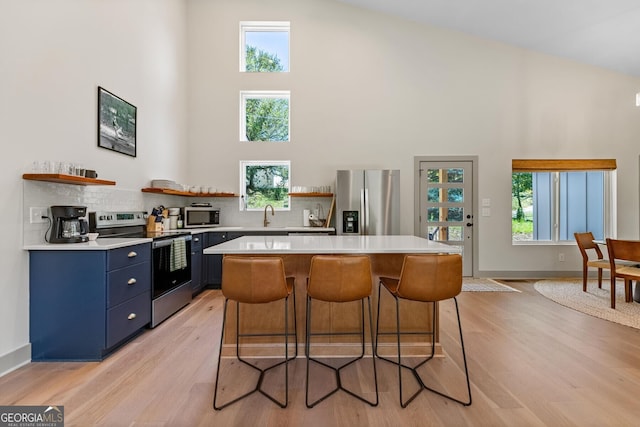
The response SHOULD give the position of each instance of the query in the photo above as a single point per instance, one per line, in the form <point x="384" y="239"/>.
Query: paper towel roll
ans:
<point x="305" y="218"/>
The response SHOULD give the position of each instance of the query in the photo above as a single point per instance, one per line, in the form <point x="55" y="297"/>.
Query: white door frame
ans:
<point x="474" y="204"/>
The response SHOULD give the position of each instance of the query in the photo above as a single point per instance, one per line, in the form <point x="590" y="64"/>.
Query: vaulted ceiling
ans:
<point x="605" y="33"/>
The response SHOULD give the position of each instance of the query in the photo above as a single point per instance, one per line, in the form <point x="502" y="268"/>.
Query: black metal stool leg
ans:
<point x="258" y="387"/>
<point x="414" y="369"/>
<point x="295" y="325"/>
<point x="466" y="369"/>
<point x="398" y="363"/>
<point x="215" y="392"/>
<point x="337" y="370"/>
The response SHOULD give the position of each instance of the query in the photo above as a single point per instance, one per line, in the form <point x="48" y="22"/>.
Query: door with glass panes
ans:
<point x="446" y="205"/>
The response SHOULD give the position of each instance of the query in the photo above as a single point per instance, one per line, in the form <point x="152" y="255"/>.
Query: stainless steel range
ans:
<point x="170" y="263"/>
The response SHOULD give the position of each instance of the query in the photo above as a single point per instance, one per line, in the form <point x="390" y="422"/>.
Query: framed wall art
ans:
<point x="116" y="123"/>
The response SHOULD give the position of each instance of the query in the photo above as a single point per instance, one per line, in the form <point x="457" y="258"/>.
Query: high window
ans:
<point x="552" y="199"/>
<point x="264" y="183"/>
<point x="264" y="46"/>
<point x="264" y="116"/>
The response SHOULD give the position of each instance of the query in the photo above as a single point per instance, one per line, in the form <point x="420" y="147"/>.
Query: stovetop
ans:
<point x="127" y="224"/>
<point x="155" y="235"/>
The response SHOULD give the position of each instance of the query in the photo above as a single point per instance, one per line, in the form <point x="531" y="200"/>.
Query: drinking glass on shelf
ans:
<point x="64" y="168"/>
<point x="78" y="169"/>
<point x="40" y="166"/>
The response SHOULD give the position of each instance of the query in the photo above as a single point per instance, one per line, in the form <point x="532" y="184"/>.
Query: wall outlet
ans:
<point x="561" y="257"/>
<point x="36" y="214"/>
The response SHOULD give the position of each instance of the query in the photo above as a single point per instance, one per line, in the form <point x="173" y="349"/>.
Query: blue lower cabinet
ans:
<point x="127" y="318"/>
<point x="212" y="264"/>
<point x="83" y="305"/>
<point x="196" y="264"/>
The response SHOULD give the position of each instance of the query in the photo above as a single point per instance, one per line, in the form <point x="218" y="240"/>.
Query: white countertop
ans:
<point x="330" y="245"/>
<point x="292" y="229"/>
<point x="95" y="245"/>
<point x="114" y="243"/>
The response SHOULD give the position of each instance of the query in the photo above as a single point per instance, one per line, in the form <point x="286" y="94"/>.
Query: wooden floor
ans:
<point x="532" y="363"/>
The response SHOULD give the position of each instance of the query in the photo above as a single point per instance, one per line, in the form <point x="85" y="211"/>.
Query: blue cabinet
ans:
<point x="196" y="264"/>
<point x="86" y="303"/>
<point x="212" y="264"/>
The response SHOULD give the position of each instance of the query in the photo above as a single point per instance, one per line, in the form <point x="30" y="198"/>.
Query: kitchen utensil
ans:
<point x="333" y="204"/>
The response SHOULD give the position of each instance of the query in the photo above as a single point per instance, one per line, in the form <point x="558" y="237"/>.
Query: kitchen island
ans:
<point x="386" y="254"/>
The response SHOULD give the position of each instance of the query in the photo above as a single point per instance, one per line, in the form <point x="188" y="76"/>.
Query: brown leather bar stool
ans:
<point x="428" y="278"/>
<point x="339" y="279"/>
<point x="257" y="280"/>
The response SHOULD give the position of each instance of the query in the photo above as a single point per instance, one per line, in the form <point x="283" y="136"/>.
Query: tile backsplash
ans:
<point x="111" y="198"/>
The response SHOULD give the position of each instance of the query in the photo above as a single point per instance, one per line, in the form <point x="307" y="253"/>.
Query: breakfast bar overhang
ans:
<point x="386" y="254"/>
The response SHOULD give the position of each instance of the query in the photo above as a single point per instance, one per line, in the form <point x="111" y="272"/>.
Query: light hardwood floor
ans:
<point x="532" y="363"/>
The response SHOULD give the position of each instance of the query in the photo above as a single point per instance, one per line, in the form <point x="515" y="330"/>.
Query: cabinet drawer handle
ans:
<point x="132" y="254"/>
<point x="196" y="239"/>
<point x="132" y="281"/>
<point x="131" y="316"/>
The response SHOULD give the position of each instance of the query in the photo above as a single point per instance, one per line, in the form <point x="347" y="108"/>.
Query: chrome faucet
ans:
<point x="266" y="222"/>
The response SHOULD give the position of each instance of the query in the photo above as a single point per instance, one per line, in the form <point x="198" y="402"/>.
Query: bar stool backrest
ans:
<point x="430" y="277"/>
<point x="253" y="280"/>
<point x="339" y="278"/>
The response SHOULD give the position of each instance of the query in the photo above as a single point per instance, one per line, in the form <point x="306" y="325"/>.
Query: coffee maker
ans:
<point x="68" y="224"/>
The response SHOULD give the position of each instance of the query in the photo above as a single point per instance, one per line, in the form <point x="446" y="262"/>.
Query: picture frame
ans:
<point x="116" y="123"/>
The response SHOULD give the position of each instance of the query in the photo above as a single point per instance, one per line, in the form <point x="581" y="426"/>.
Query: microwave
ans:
<point x="194" y="217"/>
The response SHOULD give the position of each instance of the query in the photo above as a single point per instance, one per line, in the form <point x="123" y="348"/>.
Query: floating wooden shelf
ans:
<point x="311" y="194"/>
<point x="66" y="179"/>
<point x="172" y="192"/>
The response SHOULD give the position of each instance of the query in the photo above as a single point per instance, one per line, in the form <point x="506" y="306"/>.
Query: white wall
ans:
<point x="369" y="90"/>
<point x="54" y="55"/>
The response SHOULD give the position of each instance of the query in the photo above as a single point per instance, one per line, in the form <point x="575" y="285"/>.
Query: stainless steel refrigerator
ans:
<point x="368" y="202"/>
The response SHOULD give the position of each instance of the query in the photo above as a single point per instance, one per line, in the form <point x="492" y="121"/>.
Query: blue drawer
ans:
<point x="123" y="257"/>
<point x="128" y="282"/>
<point x="127" y="318"/>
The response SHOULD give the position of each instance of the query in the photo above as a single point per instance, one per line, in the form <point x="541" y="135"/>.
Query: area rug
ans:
<point x="471" y="284"/>
<point x="595" y="302"/>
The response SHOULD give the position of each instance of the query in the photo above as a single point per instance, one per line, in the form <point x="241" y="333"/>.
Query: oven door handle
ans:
<point x="167" y="242"/>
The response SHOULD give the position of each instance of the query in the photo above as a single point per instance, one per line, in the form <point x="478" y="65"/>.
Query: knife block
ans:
<point x="152" y="225"/>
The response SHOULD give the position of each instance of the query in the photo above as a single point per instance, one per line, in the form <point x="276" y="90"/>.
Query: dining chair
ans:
<point x="428" y="278"/>
<point x="627" y="251"/>
<point x="340" y="279"/>
<point x="257" y="280"/>
<point x="591" y="257"/>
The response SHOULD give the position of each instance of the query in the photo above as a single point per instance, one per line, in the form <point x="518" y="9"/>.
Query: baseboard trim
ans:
<point x="15" y="359"/>
<point x="536" y="274"/>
